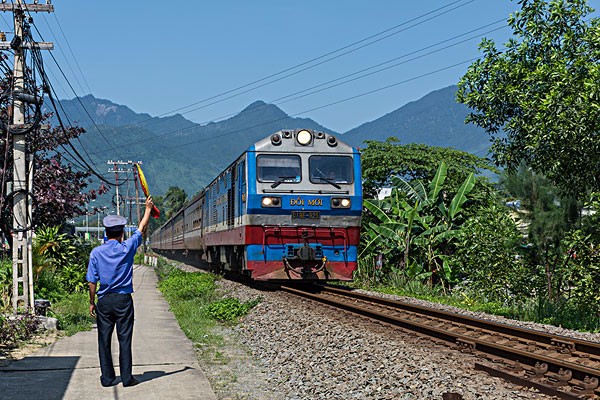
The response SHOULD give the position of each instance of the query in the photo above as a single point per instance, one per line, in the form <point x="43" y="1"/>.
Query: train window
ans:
<point x="278" y="168"/>
<point x="331" y="169"/>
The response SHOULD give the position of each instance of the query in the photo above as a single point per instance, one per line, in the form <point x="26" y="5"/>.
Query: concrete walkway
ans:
<point x="163" y="359"/>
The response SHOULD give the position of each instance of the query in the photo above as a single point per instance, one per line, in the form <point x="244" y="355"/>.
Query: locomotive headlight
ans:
<point x="271" y="202"/>
<point x="340" y="202"/>
<point x="304" y="137"/>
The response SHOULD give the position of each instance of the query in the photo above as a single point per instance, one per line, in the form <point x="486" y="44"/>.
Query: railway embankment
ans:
<point x="290" y="348"/>
<point x="310" y="351"/>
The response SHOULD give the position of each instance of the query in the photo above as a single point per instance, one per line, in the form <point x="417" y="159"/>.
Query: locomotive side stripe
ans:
<point x="246" y="235"/>
<point x="326" y="221"/>
<point x="277" y="252"/>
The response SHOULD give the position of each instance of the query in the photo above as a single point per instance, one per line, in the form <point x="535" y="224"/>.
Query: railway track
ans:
<point x="556" y="365"/>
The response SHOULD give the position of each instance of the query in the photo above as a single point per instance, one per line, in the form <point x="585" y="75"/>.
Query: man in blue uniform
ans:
<point x="111" y="264"/>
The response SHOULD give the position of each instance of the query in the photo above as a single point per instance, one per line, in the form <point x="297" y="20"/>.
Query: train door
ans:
<point x="231" y="197"/>
<point x="241" y="195"/>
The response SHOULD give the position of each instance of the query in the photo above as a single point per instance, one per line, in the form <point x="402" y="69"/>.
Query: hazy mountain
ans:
<point x="174" y="151"/>
<point x="436" y="120"/>
<point x="179" y="152"/>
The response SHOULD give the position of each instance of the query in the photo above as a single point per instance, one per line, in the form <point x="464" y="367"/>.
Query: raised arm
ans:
<point x="146" y="217"/>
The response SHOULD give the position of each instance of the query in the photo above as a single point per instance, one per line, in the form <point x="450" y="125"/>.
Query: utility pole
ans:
<point x="22" y="184"/>
<point x="125" y="167"/>
<point x="117" y="169"/>
<point x="137" y="193"/>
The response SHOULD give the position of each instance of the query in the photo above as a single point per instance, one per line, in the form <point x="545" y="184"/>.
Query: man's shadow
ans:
<point x="149" y="375"/>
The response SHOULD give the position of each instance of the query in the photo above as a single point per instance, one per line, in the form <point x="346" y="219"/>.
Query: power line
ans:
<point x="365" y="42"/>
<point x="300" y="92"/>
<point x="38" y="63"/>
<point x="256" y="108"/>
<point x="49" y="92"/>
<point x="63" y="54"/>
<point x="78" y="98"/>
<point x="323" y="106"/>
<point x="72" y="54"/>
<point x="317" y="58"/>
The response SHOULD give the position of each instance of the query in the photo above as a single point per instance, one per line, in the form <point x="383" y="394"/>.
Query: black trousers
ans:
<point x="115" y="309"/>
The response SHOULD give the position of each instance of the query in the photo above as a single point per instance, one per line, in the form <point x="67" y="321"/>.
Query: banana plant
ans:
<point x="417" y="221"/>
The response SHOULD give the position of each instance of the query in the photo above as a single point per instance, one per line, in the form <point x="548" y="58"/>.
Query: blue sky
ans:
<point x="157" y="56"/>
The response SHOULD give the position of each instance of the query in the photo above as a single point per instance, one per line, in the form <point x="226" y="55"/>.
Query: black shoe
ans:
<point x="113" y="382"/>
<point x="132" y="382"/>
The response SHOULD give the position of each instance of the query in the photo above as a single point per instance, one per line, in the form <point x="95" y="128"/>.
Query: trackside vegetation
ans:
<point x="526" y="245"/>
<point x="59" y="267"/>
<point x="461" y="244"/>
<point x="199" y="307"/>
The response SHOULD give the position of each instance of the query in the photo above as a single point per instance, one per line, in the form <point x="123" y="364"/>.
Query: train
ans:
<point x="288" y="208"/>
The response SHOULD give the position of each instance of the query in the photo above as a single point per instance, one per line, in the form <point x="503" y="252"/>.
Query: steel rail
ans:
<point x="559" y="360"/>
<point x="568" y="343"/>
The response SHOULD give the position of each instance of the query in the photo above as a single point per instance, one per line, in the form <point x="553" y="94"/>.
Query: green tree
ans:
<point x="549" y="215"/>
<point x="539" y="98"/>
<point x="383" y="160"/>
<point x="488" y="256"/>
<point x="419" y="222"/>
<point x="174" y="200"/>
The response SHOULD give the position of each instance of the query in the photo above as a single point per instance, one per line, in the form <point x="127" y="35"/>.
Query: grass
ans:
<point x="72" y="312"/>
<point x="199" y="308"/>
<point x="534" y="309"/>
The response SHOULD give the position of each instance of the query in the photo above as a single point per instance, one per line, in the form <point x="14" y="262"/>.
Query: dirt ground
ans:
<point x="23" y="349"/>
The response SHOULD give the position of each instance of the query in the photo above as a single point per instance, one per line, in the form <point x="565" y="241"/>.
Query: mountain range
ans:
<point x="179" y="152"/>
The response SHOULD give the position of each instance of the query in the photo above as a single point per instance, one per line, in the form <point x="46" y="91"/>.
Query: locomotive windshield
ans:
<point x="331" y="169"/>
<point x="278" y="168"/>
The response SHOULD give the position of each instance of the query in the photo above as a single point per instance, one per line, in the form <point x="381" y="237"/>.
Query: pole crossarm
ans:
<point x="26" y="7"/>
<point x="4" y="45"/>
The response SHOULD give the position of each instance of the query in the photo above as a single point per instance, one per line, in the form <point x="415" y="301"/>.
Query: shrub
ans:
<point x="230" y="309"/>
<point x="72" y="312"/>
<point x="5" y="284"/>
<point x="21" y="327"/>
<point x="49" y="286"/>
<point x="179" y="285"/>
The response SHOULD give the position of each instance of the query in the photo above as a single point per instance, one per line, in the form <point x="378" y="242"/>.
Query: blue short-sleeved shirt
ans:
<point x="111" y="264"/>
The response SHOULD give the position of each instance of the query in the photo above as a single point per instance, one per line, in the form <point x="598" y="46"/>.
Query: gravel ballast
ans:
<point x="298" y="349"/>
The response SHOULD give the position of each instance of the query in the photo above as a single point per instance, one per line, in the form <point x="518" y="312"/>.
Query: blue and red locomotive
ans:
<point x="288" y="208"/>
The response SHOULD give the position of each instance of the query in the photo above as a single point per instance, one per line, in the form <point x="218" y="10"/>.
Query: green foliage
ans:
<point x="195" y="303"/>
<point x="179" y="285"/>
<point x="230" y="309"/>
<point x="562" y="313"/>
<point x="582" y="272"/>
<point x="488" y="258"/>
<point x="174" y="200"/>
<point x="549" y="216"/>
<point x="416" y="227"/>
<point x="539" y="98"/>
<point x="54" y="249"/>
<point x="383" y="160"/>
<point x="59" y="262"/>
<point x="5" y="284"/>
<point x="72" y="312"/>
<point x="138" y="259"/>
<point x="367" y="273"/>
<point x="49" y="286"/>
